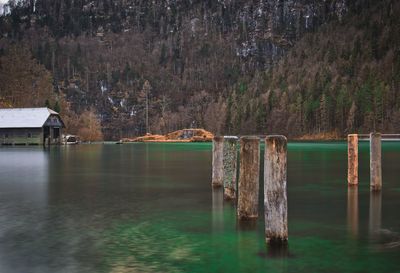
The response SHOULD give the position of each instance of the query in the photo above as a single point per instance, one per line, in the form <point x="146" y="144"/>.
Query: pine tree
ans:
<point x="146" y="90"/>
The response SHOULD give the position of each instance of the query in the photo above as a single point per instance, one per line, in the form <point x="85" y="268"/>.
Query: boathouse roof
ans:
<point x="25" y="117"/>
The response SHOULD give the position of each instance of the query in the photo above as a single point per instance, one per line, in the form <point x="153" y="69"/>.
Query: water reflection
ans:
<point x="24" y="176"/>
<point x="375" y="209"/>
<point x="352" y="211"/>
<point x="217" y="209"/>
<point x="246" y="225"/>
<point x="23" y="206"/>
<point x="96" y="208"/>
<point x="278" y="250"/>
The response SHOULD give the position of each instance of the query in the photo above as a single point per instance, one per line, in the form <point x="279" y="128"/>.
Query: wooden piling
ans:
<point x="275" y="197"/>
<point x="375" y="162"/>
<point x="230" y="167"/>
<point x="352" y="160"/>
<point x="249" y="176"/>
<point x="217" y="161"/>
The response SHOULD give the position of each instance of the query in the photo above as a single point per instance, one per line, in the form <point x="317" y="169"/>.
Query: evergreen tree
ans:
<point x="57" y="107"/>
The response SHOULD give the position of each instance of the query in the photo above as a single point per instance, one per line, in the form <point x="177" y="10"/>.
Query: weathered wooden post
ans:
<point x="230" y="169"/>
<point x="249" y="176"/>
<point x="275" y="199"/>
<point x="217" y="161"/>
<point x="375" y="162"/>
<point x="352" y="159"/>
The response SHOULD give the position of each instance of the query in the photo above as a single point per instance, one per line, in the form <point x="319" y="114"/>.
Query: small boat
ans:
<point x="71" y="140"/>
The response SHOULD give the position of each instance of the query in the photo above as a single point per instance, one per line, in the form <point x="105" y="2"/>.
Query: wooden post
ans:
<point x="249" y="178"/>
<point x="352" y="160"/>
<point x="217" y="161"/>
<point x="275" y="199"/>
<point x="230" y="169"/>
<point x="375" y="162"/>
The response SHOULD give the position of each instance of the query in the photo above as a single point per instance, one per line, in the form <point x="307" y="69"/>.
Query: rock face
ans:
<point x="273" y="26"/>
<point x="262" y="29"/>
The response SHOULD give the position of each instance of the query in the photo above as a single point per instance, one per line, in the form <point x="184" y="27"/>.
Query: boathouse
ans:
<point x="30" y="126"/>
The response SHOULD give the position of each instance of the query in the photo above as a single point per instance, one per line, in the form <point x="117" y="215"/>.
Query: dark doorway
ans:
<point x="46" y="132"/>
<point x="46" y="135"/>
<point x="56" y="133"/>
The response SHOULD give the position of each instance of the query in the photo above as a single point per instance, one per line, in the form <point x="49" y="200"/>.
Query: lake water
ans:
<point x="150" y="208"/>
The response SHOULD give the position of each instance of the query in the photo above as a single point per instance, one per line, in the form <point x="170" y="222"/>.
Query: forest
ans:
<point x="299" y="68"/>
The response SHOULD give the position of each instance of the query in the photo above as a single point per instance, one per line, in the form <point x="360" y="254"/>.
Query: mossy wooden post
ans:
<point x="352" y="160"/>
<point x="375" y="162"/>
<point x="275" y="199"/>
<point x="217" y="161"/>
<point x="230" y="169"/>
<point x="249" y="176"/>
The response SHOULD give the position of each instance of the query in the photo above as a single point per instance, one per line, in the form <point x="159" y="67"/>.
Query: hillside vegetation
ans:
<point x="235" y="67"/>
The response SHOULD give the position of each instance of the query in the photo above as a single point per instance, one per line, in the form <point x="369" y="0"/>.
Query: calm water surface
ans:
<point x="150" y="208"/>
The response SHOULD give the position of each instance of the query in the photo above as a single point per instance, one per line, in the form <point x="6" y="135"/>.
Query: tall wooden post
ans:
<point x="249" y="176"/>
<point x="230" y="169"/>
<point x="375" y="162"/>
<point x="217" y="161"/>
<point x="275" y="198"/>
<point x="352" y="159"/>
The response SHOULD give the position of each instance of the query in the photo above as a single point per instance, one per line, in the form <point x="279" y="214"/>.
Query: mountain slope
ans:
<point x="206" y="61"/>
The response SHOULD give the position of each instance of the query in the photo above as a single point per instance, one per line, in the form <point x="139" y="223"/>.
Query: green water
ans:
<point x="150" y="208"/>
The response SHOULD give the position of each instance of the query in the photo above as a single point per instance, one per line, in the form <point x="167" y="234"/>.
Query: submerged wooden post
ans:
<point x="352" y="159"/>
<point x="230" y="169"/>
<point x="375" y="162"/>
<point x="249" y="178"/>
<point x="217" y="161"/>
<point x="275" y="198"/>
